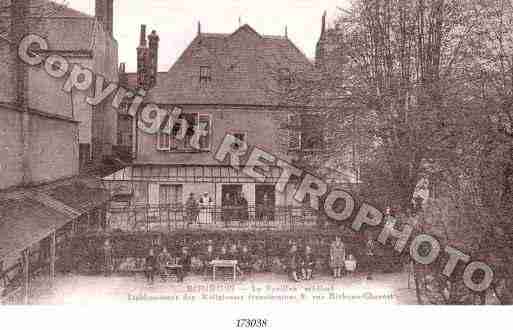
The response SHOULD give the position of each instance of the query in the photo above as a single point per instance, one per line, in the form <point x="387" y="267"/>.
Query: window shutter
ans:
<point x="153" y="193"/>
<point x="163" y="141"/>
<point x="206" y="141"/>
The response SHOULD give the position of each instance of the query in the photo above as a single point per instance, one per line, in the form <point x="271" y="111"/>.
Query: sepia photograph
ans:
<point x="195" y="154"/>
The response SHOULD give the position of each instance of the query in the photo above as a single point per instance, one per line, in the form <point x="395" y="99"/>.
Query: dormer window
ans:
<point x="205" y="75"/>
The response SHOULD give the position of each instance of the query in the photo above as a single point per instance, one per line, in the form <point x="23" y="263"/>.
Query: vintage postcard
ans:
<point x="256" y="153"/>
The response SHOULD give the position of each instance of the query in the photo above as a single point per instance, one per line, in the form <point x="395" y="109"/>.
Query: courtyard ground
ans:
<point x="255" y="288"/>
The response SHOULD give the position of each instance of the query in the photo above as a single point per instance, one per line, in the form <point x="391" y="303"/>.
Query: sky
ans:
<point x="176" y="22"/>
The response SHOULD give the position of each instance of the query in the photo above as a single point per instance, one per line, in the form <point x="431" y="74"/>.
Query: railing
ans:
<point x="177" y="216"/>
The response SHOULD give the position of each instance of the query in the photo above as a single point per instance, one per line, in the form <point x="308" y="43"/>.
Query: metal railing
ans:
<point x="173" y="217"/>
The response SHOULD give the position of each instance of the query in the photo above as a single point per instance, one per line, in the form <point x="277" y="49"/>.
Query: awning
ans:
<point x="24" y="222"/>
<point x="80" y="196"/>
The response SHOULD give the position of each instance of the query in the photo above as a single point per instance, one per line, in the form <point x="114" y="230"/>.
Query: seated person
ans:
<point x="163" y="259"/>
<point x="207" y="258"/>
<point x="308" y="263"/>
<point x="224" y="255"/>
<point x="245" y="260"/>
<point x="150" y="266"/>
<point x="233" y="254"/>
<point x="184" y="260"/>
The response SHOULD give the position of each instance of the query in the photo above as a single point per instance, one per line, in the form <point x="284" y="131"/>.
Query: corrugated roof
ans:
<point x="244" y="69"/>
<point x="24" y="222"/>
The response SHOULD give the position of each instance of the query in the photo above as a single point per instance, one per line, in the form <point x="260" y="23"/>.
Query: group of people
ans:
<point x="235" y="207"/>
<point x="164" y="263"/>
<point x="301" y="265"/>
<point x="201" y="209"/>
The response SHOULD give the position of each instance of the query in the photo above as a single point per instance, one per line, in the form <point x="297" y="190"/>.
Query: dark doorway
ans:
<point x="230" y="192"/>
<point x="230" y="201"/>
<point x="265" y="201"/>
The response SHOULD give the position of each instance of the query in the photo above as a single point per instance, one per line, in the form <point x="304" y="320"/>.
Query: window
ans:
<point x="181" y="135"/>
<point x="170" y="194"/>
<point x="230" y="193"/>
<point x="241" y="136"/>
<point x="205" y="75"/>
<point x="164" y="141"/>
<point x="205" y="141"/>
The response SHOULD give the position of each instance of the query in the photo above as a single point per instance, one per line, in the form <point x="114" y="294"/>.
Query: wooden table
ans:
<point x="224" y="264"/>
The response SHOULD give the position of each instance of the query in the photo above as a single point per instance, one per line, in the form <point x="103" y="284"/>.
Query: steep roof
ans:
<point x="24" y="222"/>
<point x="244" y="67"/>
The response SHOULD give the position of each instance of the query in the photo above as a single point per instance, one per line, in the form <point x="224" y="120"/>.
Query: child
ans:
<point x="294" y="263"/>
<point x="163" y="259"/>
<point x="351" y="263"/>
<point x="337" y="257"/>
<point x="308" y="264"/>
<point x="245" y="259"/>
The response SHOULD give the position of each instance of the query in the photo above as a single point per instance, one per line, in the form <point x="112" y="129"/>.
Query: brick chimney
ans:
<point x="147" y="59"/>
<point x="104" y="12"/>
<point x="153" y="55"/>
<point x="122" y="77"/>
<point x="142" y="55"/>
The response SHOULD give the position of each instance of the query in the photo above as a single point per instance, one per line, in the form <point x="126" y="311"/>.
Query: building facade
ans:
<point x="233" y="84"/>
<point x="71" y="125"/>
<point x="48" y="136"/>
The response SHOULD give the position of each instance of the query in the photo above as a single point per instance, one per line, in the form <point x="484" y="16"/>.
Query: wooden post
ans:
<point x="52" y="257"/>
<point x="26" y="276"/>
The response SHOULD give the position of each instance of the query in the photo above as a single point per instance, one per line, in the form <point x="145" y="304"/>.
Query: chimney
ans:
<point x="320" y="51"/>
<point x="104" y="12"/>
<point x="122" y="78"/>
<point x="153" y="55"/>
<point x="142" y="55"/>
<point x="142" y="38"/>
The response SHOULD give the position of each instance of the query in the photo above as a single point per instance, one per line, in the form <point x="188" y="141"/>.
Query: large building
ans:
<point x="82" y="39"/>
<point x="48" y="136"/>
<point x="234" y="83"/>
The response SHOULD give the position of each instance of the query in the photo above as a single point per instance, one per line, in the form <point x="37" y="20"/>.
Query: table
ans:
<point x="224" y="264"/>
<point x="175" y="268"/>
